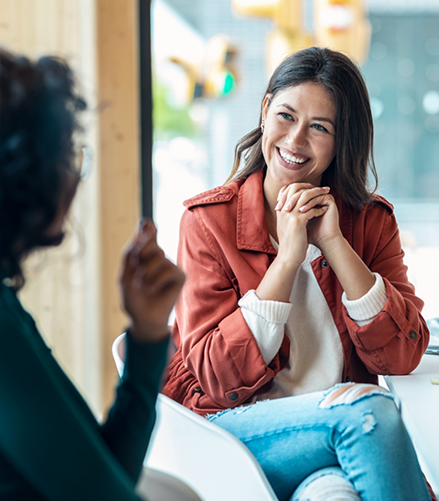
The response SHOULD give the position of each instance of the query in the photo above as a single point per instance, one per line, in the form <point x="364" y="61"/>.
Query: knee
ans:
<point x="376" y="404"/>
<point x="324" y="484"/>
<point x="350" y="393"/>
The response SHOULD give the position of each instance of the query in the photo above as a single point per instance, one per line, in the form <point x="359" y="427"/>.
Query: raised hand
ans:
<point x="323" y="231"/>
<point x="298" y="205"/>
<point x="150" y="285"/>
<point x="292" y="236"/>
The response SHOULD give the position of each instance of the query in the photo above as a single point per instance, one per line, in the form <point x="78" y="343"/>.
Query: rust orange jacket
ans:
<point x="225" y="250"/>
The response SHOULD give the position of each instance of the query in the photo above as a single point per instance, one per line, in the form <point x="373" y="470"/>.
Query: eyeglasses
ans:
<point x="83" y="161"/>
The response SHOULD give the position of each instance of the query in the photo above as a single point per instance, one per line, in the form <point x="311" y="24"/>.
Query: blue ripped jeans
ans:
<point x="354" y="426"/>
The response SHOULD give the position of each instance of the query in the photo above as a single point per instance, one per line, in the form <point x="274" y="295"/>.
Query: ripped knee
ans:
<point x="350" y="393"/>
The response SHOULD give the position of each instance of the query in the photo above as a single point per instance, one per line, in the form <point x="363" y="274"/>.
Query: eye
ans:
<point x="320" y="127"/>
<point x="285" y="115"/>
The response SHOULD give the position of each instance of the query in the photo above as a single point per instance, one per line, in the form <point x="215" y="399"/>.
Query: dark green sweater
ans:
<point x="51" y="446"/>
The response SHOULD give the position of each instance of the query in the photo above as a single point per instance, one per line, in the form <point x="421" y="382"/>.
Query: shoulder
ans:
<point x="377" y="209"/>
<point x="379" y="201"/>
<point x="218" y="195"/>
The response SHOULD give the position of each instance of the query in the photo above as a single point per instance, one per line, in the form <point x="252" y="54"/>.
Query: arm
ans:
<point x="396" y="339"/>
<point x="150" y="285"/>
<point x="130" y="421"/>
<point x="266" y="320"/>
<point x="216" y="343"/>
<point x="266" y="310"/>
<point x="47" y="431"/>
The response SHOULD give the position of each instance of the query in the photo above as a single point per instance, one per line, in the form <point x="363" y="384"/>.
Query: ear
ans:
<point x="265" y="104"/>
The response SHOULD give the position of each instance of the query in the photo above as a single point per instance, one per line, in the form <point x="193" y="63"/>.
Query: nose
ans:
<point x="297" y="135"/>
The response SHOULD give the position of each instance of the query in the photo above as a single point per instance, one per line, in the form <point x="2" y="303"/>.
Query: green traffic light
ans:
<point x="229" y="83"/>
<point x="224" y="83"/>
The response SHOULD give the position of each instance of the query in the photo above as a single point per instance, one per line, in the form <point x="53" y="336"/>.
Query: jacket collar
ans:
<point x="251" y="226"/>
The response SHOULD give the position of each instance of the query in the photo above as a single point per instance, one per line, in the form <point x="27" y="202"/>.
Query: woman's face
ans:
<point x="298" y="142"/>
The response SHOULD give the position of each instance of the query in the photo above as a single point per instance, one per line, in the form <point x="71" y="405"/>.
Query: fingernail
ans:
<point x="287" y="207"/>
<point x="277" y="206"/>
<point x="326" y="187"/>
<point x="303" y="208"/>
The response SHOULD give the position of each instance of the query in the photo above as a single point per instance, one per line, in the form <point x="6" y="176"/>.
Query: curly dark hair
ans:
<point x="348" y="172"/>
<point x="38" y="120"/>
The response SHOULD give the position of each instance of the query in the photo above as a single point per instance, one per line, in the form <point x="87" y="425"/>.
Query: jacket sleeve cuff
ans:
<point x="363" y="310"/>
<point x="266" y="320"/>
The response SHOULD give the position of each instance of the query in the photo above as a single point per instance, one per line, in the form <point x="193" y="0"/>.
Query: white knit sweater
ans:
<point x="316" y="356"/>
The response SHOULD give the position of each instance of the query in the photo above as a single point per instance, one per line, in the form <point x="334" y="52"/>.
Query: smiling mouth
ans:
<point x="291" y="159"/>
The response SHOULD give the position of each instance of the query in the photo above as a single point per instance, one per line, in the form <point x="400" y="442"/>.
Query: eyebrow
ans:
<point x="322" y="119"/>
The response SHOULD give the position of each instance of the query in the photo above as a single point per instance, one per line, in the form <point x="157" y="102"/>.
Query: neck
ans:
<point x="270" y="202"/>
<point x="270" y="218"/>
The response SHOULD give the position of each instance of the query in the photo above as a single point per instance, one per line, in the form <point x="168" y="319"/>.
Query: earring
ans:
<point x="262" y="126"/>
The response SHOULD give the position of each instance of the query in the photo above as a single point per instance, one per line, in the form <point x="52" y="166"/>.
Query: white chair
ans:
<point x="210" y="460"/>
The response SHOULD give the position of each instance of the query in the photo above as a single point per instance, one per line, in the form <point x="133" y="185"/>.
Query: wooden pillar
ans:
<point x="118" y="76"/>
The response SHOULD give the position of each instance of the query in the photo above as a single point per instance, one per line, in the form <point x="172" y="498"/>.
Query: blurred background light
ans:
<point x="399" y="55"/>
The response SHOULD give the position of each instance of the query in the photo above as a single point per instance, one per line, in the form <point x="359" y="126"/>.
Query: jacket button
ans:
<point x="413" y="335"/>
<point x="348" y="379"/>
<point x="196" y="390"/>
<point x="233" y="396"/>
<point x="324" y="264"/>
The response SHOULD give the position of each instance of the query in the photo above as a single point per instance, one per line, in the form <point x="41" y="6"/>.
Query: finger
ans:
<point x="153" y="281"/>
<point x="301" y="196"/>
<point x="146" y="225"/>
<point x="281" y="198"/>
<point x="316" y="212"/>
<point x="306" y="195"/>
<point x="322" y="200"/>
<point x="145" y="246"/>
<point x="300" y="186"/>
<point x="289" y="191"/>
<point x="170" y="281"/>
<point x="149" y="270"/>
<point x="289" y="198"/>
<point x="146" y="231"/>
<point x="281" y="191"/>
<point x="141" y="250"/>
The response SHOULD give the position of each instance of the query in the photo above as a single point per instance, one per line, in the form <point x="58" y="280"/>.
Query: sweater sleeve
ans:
<point x="366" y="308"/>
<point x="47" y="432"/>
<point x="266" y="320"/>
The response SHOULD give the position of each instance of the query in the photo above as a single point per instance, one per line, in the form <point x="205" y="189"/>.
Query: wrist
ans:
<point x="286" y="264"/>
<point x="332" y="245"/>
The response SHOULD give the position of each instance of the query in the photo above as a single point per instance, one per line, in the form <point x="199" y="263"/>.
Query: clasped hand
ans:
<point x="150" y="285"/>
<point x="306" y="214"/>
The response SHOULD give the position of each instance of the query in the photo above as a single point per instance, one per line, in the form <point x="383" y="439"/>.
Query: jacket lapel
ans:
<point x="251" y="227"/>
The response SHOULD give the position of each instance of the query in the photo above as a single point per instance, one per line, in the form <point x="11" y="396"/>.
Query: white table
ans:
<point x="418" y="400"/>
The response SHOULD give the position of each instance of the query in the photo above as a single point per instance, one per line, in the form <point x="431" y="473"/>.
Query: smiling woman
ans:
<point x="297" y="295"/>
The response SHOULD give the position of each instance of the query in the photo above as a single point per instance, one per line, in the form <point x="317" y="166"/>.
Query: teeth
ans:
<point x="291" y="159"/>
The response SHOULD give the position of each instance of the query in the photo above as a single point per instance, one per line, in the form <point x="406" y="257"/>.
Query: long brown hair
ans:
<point x="348" y="172"/>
